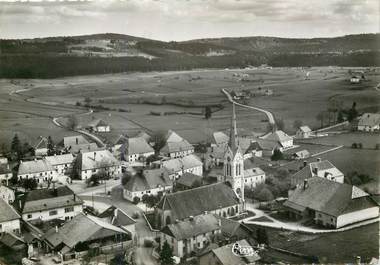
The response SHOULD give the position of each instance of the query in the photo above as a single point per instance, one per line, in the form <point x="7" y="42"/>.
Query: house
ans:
<point x="322" y="169"/>
<point x="192" y="235"/>
<point x="134" y="149"/>
<point x="303" y="154"/>
<point x="119" y="218"/>
<point x="149" y="182"/>
<point x="3" y="160"/>
<point x="39" y="169"/>
<point x="219" y="139"/>
<point x="280" y="137"/>
<point x="355" y="80"/>
<point x="178" y="166"/>
<point x="330" y="204"/>
<point x="176" y="146"/>
<point x="216" y="198"/>
<point x="304" y="132"/>
<point x="12" y="241"/>
<point x="49" y="204"/>
<point x="93" y="162"/>
<point x="254" y="150"/>
<point x="61" y="163"/>
<point x="188" y="181"/>
<point x="224" y="256"/>
<point x="41" y="147"/>
<point x="99" y="125"/>
<point x="235" y="230"/>
<point x="82" y="233"/>
<point x="369" y="122"/>
<point x="7" y="194"/>
<point x="9" y="218"/>
<point x="266" y="147"/>
<point x="77" y="143"/>
<point x="253" y="176"/>
<point x="5" y="172"/>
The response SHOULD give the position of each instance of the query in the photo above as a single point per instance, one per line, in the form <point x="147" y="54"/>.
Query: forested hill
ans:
<point x="112" y="53"/>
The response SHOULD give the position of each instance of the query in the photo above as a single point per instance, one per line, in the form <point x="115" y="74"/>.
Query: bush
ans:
<point x="354" y="146"/>
<point x="136" y="200"/>
<point x="265" y="195"/>
<point x="148" y="243"/>
<point x="277" y="155"/>
<point x="136" y="215"/>
<point x="377" y="146"/>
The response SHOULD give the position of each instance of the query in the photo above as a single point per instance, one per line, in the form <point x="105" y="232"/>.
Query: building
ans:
<point x="5" y="172"/>
<point x="119" y="218"/>
<point x="40" y="170"/>
<point x="253" y="176"/>
<point x="178" y="166"/>
<point x="133" y="149"/>
<point x="94" y="162"/>
<point x="188" y="181"/>
<point x="216" y="198"/>
<point x="322" y="169"/>
<point x="176" y="146"/>
<point x="303" y="154"/>
<point x="99" y="125"/>
<point x="224" y="256"/>
<point x="355" y="80"/>
<point x="41" y="147"/>
<point x="76" y="144"/>
<point x="253" y="150"/>
<point x="304" y="132"/>
<point x="285" y="141"/>
<point x="9" y="218"/>
<point x="219" y="139"/>
<point x="7" y="194"/>
<point x="82" y="233"/>
<point x="369" y="122"/>
<point x="61" y="163"/>
<point x="330" y="204"/>
<point x="49" y="204"/>
<point x="192" y="235"/>
<point x="147" y="182"/>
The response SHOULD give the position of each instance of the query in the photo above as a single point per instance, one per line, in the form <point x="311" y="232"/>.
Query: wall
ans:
<point x="253" y="181"/>
<point x="10" y="226"/>
<point x="129" y="195"/>
<point x="114" y="170"/>
<point x="137" y="157"/>
<point x="325" y="219"/>
<point x="40" y="176"/>
<point x="357" y="216"/>
<point x="181" y="154"/>
<point x="44" y="215"/>
<point x="7" y="194"/>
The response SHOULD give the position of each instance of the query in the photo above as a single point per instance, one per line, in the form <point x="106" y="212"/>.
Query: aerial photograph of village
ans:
<point x="192" y="132"/>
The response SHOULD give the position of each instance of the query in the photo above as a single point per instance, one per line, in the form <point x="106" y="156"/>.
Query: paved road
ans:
<point x="267" y="113"/>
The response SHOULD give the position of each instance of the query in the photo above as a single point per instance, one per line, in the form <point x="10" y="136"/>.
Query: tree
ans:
<point x="262" y="236"/>
<point x="136" y="200"/>
<point x="159" y="140"/>
<point x="265" y="195"/>
<point x="340" y="117"/>
<point x="15" y="146"/>
<point x="166" y="254"/>
<point x="50" y="146"/>
<point x="352" y="113"/>
<point x="320" y="117"/>
<point x="297" y="124"/>
<point x="208" y="112"/>
<point x="87" y="100"/>
<point x="29" y="184"/>
<point x="151" y="159"/>
<point x="280" y="124"/>
<point x="72" y="122"/>
<point x="277" y="155"/>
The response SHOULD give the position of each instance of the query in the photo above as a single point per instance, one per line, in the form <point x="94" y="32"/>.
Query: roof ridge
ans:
<point x="197" y="188"/>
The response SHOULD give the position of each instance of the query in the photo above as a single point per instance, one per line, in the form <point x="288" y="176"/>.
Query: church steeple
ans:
<point x="233" y="131"/>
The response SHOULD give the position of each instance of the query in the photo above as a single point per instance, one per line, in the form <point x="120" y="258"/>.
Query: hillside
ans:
<point x="111" y="53"/>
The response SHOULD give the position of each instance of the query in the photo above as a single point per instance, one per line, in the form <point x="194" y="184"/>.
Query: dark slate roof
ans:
<point x="188" y="179"/>
<point x="196" y="201"/>
<point x="48" y="193"/>
<point x="7" y="213"/>
<point x="329" y="197"/>
<point x="121" y="218"/>
<point x="10" y="239"/>
<point x="198" y="225"/>
<point x="149" y="179"/>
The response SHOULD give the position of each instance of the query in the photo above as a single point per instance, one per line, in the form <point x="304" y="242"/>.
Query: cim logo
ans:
<point x="243" y="251"/>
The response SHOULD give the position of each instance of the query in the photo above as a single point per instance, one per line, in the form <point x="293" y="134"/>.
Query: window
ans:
<point x="1" y="226"/>
<point x="69" y="209"/>
<point x="54" y="212"/>
<point x="29" y="216"/>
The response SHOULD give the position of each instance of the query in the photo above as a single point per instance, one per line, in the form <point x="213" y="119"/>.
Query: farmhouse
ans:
<point x="303" y="132"/>
<point x="41" y="170"/>
<point x="99" y="125"/>
<point x="369" y="122"/>
<point x="280" y="137"/>
<point x="176" y="146"/>
<point x="253" y="176"/>
<point x="49" y="204"/>
<point x="133" y="149"/>
<point x="330" y="204"/>
<point x="192" y="235"/>
<point x="177" y="166"/>
<point x="149" y="182"/>
<point x="61" y="163"/>
<point x="91" y="163"/>
<point x="9" y="218"/>
<point x="41" y="147"/>
<point x="81" y="233"/>
<point x="119" y="218"/>
<point x="322" y="169"/>
<point x="216" y="198"/>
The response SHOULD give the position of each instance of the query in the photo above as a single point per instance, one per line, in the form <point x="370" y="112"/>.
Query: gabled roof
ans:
<point x="137" y="145"/>
<point x="175" y="143"/>
<point x="148" y="179"/>
<point x="96" y="159"/>
<point x="97" y="123"/>
<point x="34" y="166"/>
<point x="188" y="179"/>
<point x="309" y="170"/>
<point x="81" y="228"/>
<point x="42" y="143"/>
<point x="369" y="119"/>
<point x="116" y="217"/>
<point x="8" y="213"/>
<point x="182" y="163"/>
<point x="305" y="129"/>
<point x="278" y="136"/>
<point x="220" y="138"/>
<point x="198" y="200"/>
<point x="193" y="227"/>
<point x="10" y="239"/>
<point x="329" y="197"/>
<point x="254" y="146"/>
<point x="268" y="145"/>
<point x="74" y="140"/>
<point x="60" y="159"/>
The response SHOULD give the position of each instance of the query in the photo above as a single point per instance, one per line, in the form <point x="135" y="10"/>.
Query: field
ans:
<point x="176" y="100"/>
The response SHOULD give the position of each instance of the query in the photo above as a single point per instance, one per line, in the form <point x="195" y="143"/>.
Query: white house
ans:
<point x="303" y="132"/>
<point x="133" y="149"/>
<point x="185" y="237"/>
<point x="177" y="166"/>
<point x="149" y="182"/>
<point x="355" y="80"/>
<point x="5" y="172"/>
<point x="90" y="163"/>
<point x="61" y="163"/>
<point x="41" y="170"/>
<point x="48" y="204"/>
<point x="280" y="137"/>
<point x="99" y="125"/>
<point x="7" y="194"/>
<point x="176" y="146"/>
<point x="9" y="218"/>
<point x="253" y="177"/>
<point x="369" y="122"/>
<point x="331" y="204"/>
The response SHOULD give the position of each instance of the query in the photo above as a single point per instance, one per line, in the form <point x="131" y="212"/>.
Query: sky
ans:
<point x="178" y="20"/>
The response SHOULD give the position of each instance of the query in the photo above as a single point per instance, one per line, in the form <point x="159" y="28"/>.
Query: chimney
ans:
<point x="305" y="184"/>
<point x="94" y="155"/>
<point x="327" y="174"/>
<point x="56" y="228"/>
<point x="358" y="260"/>
<point x="315" y="171"/>
<point x="76" y="140"/>
<point x="319" y="159"/>
<point x="304" y="163"/>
